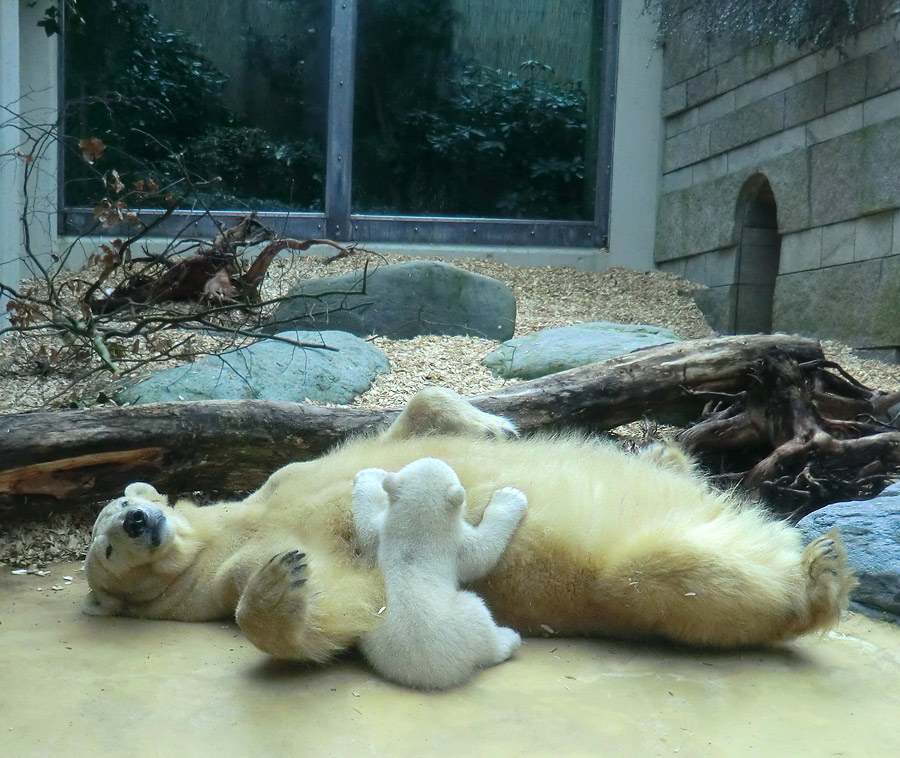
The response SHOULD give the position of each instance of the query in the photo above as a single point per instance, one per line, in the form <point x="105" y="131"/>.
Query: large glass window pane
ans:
<point x="179" y="92"/>
<point x="475" y="108"/>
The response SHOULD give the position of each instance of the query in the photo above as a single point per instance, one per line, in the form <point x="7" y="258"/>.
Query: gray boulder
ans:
<point x="270" y="370"/>
<point x="871" y="530"/>
<point x="402" y="301"/>
<point x="553" y="350"/>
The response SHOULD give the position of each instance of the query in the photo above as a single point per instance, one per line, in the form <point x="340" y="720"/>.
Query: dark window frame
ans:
<point x="340" y="223"/>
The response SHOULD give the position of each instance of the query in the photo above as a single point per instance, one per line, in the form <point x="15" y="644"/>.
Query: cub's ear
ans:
<point x="391" y="484"/>
<point x="145" y="491"/>
<point x="456" y="495"/>
<point x="99" y="603"/>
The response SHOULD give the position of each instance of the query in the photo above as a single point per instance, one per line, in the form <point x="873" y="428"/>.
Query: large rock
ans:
<point x="402" y="301"/>
<point x="871" y="530"/>
<point x="271" y="370"/>
<point x="552" y="350"/>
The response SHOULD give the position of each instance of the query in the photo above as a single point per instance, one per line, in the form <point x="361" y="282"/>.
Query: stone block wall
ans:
<point x="786" y="161"/>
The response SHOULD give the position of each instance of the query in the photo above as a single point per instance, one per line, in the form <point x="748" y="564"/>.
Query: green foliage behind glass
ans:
<point x="254" y="165"/>
<point x="497" y="144"/>
<point x="147" y="94"/>
<point x="431" y="135"/>
<point x="434" y="135"/>
<point x="140" y="89"/>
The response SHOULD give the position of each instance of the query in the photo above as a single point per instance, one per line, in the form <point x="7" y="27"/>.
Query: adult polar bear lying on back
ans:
<point x="612" y="544"/>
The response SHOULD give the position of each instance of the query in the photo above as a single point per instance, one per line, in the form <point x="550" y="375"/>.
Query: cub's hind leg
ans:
<point x="437" y="410"/>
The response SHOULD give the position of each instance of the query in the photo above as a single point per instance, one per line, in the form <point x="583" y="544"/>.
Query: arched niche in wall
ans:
<point x="759" y="249"/>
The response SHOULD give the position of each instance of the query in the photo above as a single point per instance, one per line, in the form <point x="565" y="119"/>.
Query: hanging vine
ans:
<point x="807" y="24"/>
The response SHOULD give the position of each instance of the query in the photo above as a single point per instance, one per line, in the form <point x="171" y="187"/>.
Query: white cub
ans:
<point x="432" y="634"/>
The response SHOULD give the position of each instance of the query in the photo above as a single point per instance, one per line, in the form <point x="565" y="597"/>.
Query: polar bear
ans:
<point x="620" y="544"/>
<point x="432" y="635"/>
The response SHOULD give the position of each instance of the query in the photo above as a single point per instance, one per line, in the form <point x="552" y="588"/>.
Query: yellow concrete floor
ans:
<point x="73" y="685"/>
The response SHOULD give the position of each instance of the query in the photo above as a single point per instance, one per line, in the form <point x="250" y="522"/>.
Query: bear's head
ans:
<point x="134" y="550"/>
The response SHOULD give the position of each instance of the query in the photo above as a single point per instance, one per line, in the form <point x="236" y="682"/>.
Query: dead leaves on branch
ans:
<point x="215" y="275"/>
<point x="92" y="149"/>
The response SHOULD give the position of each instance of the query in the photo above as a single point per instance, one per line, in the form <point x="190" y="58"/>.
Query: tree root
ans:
<point x="803" y="435"/>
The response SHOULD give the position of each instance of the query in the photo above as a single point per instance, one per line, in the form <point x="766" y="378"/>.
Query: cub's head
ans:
<point x="138" y="545"/>
<point x="427" y="488"/>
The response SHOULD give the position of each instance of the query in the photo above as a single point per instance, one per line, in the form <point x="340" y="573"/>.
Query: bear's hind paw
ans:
<point x="823" y="555"/>
<point x="498" y="427"/>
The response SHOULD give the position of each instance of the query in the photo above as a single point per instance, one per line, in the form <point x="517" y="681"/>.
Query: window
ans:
<point x="457" y="121"/>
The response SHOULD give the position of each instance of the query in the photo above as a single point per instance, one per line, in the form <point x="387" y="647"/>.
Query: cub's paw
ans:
<point x="510" y="641"/>
<point x="277" y="588"/>
<point x="369" y="479"/>
<point x="509" y="501"/>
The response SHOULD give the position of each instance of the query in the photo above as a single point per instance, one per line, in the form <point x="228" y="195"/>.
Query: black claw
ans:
<point x="297" y="584"/>
<point x="292" y="556"/>
<point x="299" y="569"/>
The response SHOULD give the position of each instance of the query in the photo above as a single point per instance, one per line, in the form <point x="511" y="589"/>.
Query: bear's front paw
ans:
<point x="276" y="589"/>
<point x="510" y="501"/>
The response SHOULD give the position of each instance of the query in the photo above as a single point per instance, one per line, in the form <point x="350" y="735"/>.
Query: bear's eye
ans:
<point x="108" y="551"/>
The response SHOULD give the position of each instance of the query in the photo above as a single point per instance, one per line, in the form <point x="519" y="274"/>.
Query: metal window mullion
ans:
<point x="339" y="157"/>
<point x="61" y="120"/>
<point x="609" y="60"/>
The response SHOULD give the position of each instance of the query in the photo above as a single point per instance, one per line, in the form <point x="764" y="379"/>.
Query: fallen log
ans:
<point x="220" y="448"/>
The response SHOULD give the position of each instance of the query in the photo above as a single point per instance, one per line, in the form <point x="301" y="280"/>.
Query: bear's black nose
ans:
<point x="135" y="522"/>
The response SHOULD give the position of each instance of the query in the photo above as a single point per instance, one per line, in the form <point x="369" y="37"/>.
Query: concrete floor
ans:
<point x="73" y="685"/>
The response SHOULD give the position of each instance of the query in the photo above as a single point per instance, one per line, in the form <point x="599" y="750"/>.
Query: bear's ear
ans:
<point x="456" y="495"/>
<point x="99" y="603"/>
<point x="391" y="484"/>
<point x="145" y="491"/>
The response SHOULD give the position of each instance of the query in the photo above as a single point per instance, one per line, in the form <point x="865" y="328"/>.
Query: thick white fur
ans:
<point x="432" y="635"/>
<point x="635" y="546"/>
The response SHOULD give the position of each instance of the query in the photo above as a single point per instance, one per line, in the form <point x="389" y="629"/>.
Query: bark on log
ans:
<point x="60" y="458"/>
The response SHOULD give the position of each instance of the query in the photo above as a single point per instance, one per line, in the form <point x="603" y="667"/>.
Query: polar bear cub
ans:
<point x="432" y="634"/>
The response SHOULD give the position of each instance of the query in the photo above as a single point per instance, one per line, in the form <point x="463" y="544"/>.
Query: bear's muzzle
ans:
<point x="145" y="522"/>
